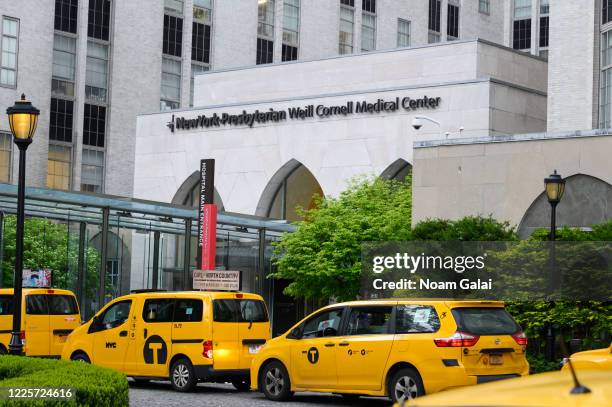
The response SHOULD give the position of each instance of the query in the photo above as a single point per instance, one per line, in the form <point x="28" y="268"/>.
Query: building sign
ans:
<point x="36" y="278"/>
<point x="207" y="219"/>
<point x="271" y="115"/>
<point x="216" y="280"/>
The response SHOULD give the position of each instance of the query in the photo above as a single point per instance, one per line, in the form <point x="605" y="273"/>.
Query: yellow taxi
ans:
<point x="48" y="315"/>
<point x="397" y="348"/>
<point x="592" y="359"/>
<point x="184" y="336"/>
<point x="553" y="389"/>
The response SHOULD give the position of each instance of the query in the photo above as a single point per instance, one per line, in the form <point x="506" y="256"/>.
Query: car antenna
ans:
<point x="578" y="387"/>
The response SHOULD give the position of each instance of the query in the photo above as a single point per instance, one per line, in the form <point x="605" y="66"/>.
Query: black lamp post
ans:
<point x="23" y="118"/>
<point x="555" y="187"/>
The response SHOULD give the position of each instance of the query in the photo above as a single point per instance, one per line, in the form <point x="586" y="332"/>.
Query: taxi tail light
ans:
<point x="207" y="349"/>
<point x="520" y="338"/>
<point x="22" y="337"/>
<point x="458" y="339"/>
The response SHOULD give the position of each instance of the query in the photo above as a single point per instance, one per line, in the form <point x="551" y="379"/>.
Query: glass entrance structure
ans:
<point x="103" y="246"/>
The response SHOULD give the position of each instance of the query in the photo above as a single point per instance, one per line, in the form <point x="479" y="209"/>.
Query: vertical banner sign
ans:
<point x="207" y="241"/>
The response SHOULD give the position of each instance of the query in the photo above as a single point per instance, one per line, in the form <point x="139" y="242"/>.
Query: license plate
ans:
<point x="253" y="349"/>
<point x="496" y="359"/>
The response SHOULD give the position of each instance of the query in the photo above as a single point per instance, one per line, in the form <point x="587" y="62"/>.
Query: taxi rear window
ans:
<point x="239" y="311"/>
<point x="42" y="304"/>
<point x="485" y="321"/>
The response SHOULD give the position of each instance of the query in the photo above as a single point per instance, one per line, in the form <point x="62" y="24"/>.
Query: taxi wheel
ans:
<point x="275" y="383"/>
<point x="80" y="357"/>
<point x="242" y="384"/>
<point x="3" y="350"/>
<point x="182" y="376"/>
<point x="405" y="385"/>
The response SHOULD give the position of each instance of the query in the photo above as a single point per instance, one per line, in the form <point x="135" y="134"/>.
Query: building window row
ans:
<point x="368" y="25"/>
<point x="174" y="6"/>
<point x="403" y="33"/>
<point x="8" y="51"/>
<point x="170" y="84"/>
<point x="173" y="35"/>
<point x="484" y="6"/>
<point x="452" y="21"/>
<point x="98" y="23"/>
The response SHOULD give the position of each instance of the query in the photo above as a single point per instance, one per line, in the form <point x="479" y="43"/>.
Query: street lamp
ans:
<point x="555" y="187"/>
<point x="23" y="118"/>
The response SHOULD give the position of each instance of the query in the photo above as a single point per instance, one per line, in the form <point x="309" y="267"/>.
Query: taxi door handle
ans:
<point x="330" y="345"/>
<point x="123" y="333"/>
<point x="145" y="333"/>
<point x="343" y="344"/>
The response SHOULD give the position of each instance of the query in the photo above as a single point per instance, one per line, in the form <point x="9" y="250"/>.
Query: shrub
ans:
<point x="93" y="385"/>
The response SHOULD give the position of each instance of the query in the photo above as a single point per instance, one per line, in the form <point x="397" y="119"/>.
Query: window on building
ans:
<point x="200" y="43"/>
<point x="94" y="125"/>
<point x="350" y="3"/>
<point x="484" y="6"/>
<point x="174" y="6"/>
<point x="368" y="25"/>
<point x="6" y="143"/>
<point x="452" y="22"/>
<point x="195" y="69"/>
<point x="403" y="33"/>
<point x="291" y="29"/>
<point x="521" y="30"/>
<point x="64" y="64"/>
<point x="92" y="170"/>
<point x="544" y="20"/>
<point x="66" y="12"/>
<point x="606" y="11"/>
<point x="433" y="24"/>
<point x="171" y="84"/>
<point x="265" y="32"/>
<point x="98" y="22"/>
<point x="96" y="78"/>
<point x="605" y="94"/>
<point x="298" y="189"/>
<point x="8" y="46"/>
<point x="265" y="51"/>
<point x="202" y="11"/>
<point x="347" y="24"/>
<point x="173" y="35"/>
<point x="544" y="6"/>
<point x="61" y="120"/>
<point x="59" y="167"/>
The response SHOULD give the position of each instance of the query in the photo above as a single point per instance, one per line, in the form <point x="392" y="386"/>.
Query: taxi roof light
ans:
<point x="458" y="339"/>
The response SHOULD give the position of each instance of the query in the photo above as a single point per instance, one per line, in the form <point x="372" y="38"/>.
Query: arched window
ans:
<point x="188" y="193"/>
<point x="398" y="170"/>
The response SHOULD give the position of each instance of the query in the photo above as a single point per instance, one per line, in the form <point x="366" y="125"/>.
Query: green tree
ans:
<point x="48" y="245"/>
<point x="322" y="258"/>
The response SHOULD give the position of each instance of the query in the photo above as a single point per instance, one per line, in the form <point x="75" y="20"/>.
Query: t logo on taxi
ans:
<point x="313" y="355"/>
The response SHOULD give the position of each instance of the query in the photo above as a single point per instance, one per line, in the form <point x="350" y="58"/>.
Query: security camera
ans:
<point x="417" y="123"/>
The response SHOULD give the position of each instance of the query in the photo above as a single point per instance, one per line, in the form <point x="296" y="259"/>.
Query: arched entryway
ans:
<point x="587" y="201"/>
<point x="188" y="193"/>
<point x="398" y="170"/>
<point x="292" y="186"/>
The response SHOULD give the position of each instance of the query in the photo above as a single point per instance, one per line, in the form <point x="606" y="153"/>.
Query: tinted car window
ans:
<point x="485" y="321"/>
<point x="252" y="311"/>
<point x="224" y="311"/>
<point x="6" y="304"/>
<point x="116" y="315"/>
<point x="158" y="310"/>
<point x="416" y="319"/>
<point x="36" y="304"/>
<point x="323" y="324"/>
<point x="369" y="320"/>
<point x="62" y="305"/>
<point x="188" y="310"/>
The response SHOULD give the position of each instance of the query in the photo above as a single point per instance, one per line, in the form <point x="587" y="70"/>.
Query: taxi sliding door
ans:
<point x="254" y="329"/>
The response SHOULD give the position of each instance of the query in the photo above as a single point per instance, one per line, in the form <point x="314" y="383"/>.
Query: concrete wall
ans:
<point x="337" y="148"/>
<point x="501" y="176"/>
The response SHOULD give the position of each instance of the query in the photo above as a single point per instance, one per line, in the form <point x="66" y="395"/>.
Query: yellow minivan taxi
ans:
<point x="184" y="336"/>
<point x="48" y="315"/>
<point x="397" y="348"/>
<point x="596" y="359"/>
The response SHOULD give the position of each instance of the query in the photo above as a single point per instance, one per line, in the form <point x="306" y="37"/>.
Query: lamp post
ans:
<point x="555" y="187"/>
<point x="23" y="118"/>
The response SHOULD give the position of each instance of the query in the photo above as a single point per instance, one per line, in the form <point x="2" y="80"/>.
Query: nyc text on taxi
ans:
<point x="183" y="336"/>
<point x="396" y="348"/>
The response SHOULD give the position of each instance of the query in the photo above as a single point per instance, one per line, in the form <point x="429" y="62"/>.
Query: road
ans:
<point x="222" y="395"/>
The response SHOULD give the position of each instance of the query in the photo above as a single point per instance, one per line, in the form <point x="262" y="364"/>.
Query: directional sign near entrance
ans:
<point x="216" y="280"/>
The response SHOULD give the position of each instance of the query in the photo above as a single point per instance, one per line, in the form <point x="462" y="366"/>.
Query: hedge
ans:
<point x="93" y="385"/>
